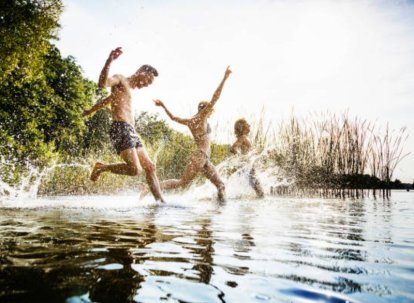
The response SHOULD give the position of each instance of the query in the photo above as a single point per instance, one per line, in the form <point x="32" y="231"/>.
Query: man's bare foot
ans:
<point x="96" y="171"/>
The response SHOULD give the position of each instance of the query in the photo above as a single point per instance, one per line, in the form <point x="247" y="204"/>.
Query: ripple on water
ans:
<point x="158" y="288"/>
<point x="309" y="295"/>
<point x="277" y="250"/>
<point x="113" y="266"/>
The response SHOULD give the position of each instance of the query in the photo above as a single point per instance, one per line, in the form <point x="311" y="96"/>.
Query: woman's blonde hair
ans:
<point x="202" y="105"/>
<point x="241" y="127"/>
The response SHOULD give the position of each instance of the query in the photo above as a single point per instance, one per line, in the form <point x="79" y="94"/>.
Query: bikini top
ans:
<point x="208" y="128"/>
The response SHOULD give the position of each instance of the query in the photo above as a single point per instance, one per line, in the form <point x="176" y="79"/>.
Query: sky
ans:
<point x="300" y="56"/>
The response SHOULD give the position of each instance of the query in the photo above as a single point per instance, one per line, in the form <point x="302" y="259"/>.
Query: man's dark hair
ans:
<point x="148" y="69"/>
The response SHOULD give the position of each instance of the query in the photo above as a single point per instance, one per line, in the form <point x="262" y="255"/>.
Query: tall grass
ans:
<point x="339" y="155"/>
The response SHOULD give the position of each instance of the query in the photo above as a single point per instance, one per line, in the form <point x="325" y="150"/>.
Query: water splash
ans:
<point x="27" y="187"/>
<point x="236" y="173"/>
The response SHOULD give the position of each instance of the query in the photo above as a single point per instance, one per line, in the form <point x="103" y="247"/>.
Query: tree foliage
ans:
<point x="26" y="27"/>
<point x="42" y="94"/>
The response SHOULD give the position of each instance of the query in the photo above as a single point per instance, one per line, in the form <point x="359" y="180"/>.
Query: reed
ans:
<point x="338" y="155"/>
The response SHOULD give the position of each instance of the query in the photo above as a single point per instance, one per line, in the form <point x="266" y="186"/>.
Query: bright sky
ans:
<point x="302" y="55"/>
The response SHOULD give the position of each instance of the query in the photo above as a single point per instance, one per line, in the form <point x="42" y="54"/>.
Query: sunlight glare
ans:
<point x="319" y="46"/>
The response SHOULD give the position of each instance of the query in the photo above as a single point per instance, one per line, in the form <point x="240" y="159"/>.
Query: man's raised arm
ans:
<point x="103" y="77"/>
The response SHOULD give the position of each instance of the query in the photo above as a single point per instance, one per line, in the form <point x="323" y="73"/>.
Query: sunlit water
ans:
<point x="119" y="249"/>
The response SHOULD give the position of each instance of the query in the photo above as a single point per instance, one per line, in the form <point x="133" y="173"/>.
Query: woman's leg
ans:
<point x="193" y="168"/>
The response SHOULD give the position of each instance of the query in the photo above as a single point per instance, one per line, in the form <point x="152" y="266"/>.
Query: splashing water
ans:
<point x="237" y="172"/>
<point x="234" y="171"/>
<point x="28" y="186"/>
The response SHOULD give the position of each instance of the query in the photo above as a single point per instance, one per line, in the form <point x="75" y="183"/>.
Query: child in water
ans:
<point x="243" y="146"/>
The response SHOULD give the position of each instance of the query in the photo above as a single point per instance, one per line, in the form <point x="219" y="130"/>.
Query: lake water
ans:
<point x="118" y="249"/>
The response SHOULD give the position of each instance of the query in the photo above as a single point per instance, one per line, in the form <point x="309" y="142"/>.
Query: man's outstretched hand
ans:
<point x="115" y="53"/>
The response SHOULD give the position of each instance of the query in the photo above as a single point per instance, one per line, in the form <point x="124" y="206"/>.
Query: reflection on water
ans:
<point x="86" y="249"/>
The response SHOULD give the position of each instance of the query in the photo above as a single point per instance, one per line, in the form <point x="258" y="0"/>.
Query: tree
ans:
<point x="152" y="129"/>
<point x="96" y="138"/>
<point x="26" y="27"/>
<point x="70" y="94"/>
<point x="42" y="116"/>
<point x="42" y="94"/>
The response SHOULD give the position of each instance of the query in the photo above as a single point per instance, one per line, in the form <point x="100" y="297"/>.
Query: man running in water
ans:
<point x="200" y="130"/>
<point x="122" y="133"/>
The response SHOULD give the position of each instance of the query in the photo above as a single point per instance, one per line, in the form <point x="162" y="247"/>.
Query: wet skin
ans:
<point x="120" y="102"/>
<point x="199" y="161"/>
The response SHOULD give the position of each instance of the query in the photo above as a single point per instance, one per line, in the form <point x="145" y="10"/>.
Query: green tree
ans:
<point x="70" y="94"/>
<point x="25" y="30"/>
<point x="26" y="27"/>
<point x="152" y="129"/>
<point x="42" y="116"/>
<point x="42" y="94"/>
<point x="96" y="138"/>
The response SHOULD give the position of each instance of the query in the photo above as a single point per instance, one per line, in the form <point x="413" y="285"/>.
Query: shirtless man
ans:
<point x="200" y="130"/>
<point x="122" y="132"/>
<point x="243" y="146"/>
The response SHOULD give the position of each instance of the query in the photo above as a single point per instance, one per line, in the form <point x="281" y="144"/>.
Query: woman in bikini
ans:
<point x="200" y="130"/>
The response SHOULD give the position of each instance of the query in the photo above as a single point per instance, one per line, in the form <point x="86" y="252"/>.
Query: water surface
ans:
<point x="119" y="249"/>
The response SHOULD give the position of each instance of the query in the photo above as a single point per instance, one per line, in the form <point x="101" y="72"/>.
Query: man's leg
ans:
<point x="212" y="174"/>
<point x="131" y="167"/>
<point x="150" y="173"/>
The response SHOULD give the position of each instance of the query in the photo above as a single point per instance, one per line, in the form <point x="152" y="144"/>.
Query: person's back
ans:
<point x="241" y="146"/>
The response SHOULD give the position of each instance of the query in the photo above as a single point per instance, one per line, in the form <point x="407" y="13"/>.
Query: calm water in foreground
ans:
<point x="117" y="249"/>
